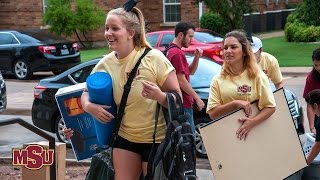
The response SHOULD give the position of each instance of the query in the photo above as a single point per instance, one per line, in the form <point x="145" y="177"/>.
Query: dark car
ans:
<point x="209" y="41"/>
<point x="3" y="94"/>
<point x="45" y="112"/>
<point x="26" y="51"/>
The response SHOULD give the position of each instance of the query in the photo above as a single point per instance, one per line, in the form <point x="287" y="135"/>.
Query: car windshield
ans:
<point x="206" y="37"/>
<point x="204" y="73"/>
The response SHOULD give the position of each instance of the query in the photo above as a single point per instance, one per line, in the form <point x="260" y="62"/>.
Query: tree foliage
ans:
<point x="303" y="25"/>
<point x="68" y="17"/>
<point x="309" y="12"/>
<point x="231" y="11"/>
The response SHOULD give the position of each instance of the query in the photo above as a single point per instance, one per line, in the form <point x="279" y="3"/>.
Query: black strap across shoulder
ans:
<point x="125" y="95"/>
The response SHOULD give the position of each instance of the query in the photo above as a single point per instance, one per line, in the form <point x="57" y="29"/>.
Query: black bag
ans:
<point x="101" y="166"/>
<point x="166" y="49"/>
<point x="175" y="158"/>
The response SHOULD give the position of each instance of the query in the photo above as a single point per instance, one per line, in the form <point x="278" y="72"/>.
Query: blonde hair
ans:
<point x="250" y="63"/>
<point x="133" y="20"/>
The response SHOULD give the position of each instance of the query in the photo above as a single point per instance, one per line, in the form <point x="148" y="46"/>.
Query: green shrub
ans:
<point x="214" y="22"/>
<point x="300" y="32"/>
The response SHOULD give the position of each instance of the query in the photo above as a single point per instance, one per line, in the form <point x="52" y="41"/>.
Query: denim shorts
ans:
<point x="143" y="149"/>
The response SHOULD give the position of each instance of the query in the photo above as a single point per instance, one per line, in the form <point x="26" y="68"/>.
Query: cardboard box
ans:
<point x="272" y="149"/>
<point x="44" y="172"/>
<point x="84" y="140"/>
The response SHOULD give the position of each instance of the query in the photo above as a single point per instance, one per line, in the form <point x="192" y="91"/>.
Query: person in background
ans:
<point x="240" y="83"/>
<point x="313" y="82"/>
<point x="268" y="63"/>
<point x="184" y="32"/>
<point x="313" y="100"/>
<point x="125" y="34"/>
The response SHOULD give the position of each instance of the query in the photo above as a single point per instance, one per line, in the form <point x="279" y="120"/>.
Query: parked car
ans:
<point x="209" y="41"/>
<point x="26" y="51"/>
<point x="3" y="94"/>
<point x="45" y="112"/>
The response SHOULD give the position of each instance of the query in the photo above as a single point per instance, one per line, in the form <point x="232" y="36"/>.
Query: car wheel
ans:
<point x="200" y="149"/>
<point x="21" y="69"/>
<point x="59" y="125"/>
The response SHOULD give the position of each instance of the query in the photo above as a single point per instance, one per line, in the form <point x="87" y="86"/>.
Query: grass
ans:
<point x="290" y="54"/>
<point x="92" y="53"/>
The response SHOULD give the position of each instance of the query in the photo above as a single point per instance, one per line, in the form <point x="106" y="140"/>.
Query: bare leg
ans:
<point x="127" y="164"/>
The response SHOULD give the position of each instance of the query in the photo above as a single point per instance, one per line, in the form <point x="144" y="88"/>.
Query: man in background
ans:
<point x="268" y="63"/>
<point x="184" y="32"/>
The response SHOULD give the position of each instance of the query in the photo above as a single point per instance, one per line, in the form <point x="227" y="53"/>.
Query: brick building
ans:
<point x="159" y="14"/>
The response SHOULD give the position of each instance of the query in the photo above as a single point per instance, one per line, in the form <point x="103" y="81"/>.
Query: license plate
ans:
<point x="64" y="51"/>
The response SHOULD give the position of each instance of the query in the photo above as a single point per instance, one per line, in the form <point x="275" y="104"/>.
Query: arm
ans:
<point x="99" y="112"/>
<point x="279" y="85"/>
<point x="186" y="87"/>
<point x="310" y="115"/>
<point x="314" y="152"/>
<point x="275" y="72"/>
<point x="249" y="123"/>
<point x="220" y="110"/>
<point x="194" y="65"/>
<point x="152" y="91"/>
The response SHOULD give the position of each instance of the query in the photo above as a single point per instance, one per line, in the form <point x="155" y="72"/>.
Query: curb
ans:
<point x="16" y="111"/>
<point x="295" y="74"/>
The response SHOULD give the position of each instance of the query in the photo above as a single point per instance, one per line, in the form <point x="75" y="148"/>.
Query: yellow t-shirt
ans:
<point x="224" y="90"/>
<point x="138" y="121"/>
<point x="269" y="65"/>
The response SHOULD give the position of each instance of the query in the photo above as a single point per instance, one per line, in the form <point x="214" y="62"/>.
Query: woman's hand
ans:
<point x="151" y="91"/>
<point x="247" y="125"/>
<point x="246" y="106"/>
<point x="100" y="113"/>
<point x="68" y="132"/>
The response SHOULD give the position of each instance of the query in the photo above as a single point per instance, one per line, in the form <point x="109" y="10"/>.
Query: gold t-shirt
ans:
<point x="269" y="65"/>
<point x="138" y="121"/>
<point x="224" y="90"/>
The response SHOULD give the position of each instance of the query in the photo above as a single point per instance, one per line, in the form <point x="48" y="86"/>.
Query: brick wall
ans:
<point x="19" y="14"/>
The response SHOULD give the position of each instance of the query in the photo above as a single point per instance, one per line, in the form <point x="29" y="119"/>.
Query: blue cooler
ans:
<point x="99" y="86"/>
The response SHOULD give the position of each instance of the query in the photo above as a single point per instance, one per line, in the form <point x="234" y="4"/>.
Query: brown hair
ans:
<point x="250" y="63"/>
<point x="133" y="20"/>
<point x="313" y="97"/>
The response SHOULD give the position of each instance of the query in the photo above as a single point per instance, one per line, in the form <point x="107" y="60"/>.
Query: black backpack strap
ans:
<point x="125" y="95"/>
<point x="173" y="111"/>
<point x="169" y="46"/>
<point x="156" y="123"/>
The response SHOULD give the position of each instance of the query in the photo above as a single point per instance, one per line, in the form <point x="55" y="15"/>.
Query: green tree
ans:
<point x="309" y="12"/>
<point x="65" y="20"/>
<point x="231" y="11"/>
<point x="303" y="25"/>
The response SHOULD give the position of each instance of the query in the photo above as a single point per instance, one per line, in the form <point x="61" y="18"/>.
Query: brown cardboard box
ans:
<point x="271" y="151"/>
<point x="44" y="172"/>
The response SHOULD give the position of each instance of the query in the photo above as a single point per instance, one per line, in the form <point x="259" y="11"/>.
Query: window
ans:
<point x="152" y="39"/>
<point x="44" y="5"/>
<point x="81" y="75"/>
<point x="7" y="38"/>
<point x="166" y="39"/>
<point x="171" y="11"/>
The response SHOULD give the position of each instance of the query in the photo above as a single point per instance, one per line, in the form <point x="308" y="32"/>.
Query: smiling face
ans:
<point x="116" y="33"/>
<point x="232" y="51"/>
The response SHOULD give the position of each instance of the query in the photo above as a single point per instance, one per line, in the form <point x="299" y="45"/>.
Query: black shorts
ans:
<point x="143" y="149"/>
